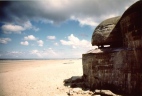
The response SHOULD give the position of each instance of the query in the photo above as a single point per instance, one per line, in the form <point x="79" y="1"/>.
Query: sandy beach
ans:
<point x="37" y="77"/>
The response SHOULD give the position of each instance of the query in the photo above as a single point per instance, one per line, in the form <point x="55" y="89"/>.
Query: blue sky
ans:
<point x="53" y="28"/>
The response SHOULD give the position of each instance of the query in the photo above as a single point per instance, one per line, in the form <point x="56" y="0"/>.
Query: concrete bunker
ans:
<point x="118" y="67"/>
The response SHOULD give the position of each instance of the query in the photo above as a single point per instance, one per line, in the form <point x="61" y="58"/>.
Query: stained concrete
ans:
<point x="117" y="68"/>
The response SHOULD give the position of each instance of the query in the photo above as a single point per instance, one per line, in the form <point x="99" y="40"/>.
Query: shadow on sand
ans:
<point x="75" y="82"/>
<point x="78" y="82"/>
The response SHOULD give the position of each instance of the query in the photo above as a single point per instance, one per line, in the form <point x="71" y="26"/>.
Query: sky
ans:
<point x="46" y="29"/>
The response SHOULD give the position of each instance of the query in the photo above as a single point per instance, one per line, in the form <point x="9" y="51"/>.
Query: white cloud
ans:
<point x="27" y="25"/>
<point x="85" y="21"/>
<point x="47" y="53"/>
<point x="36" y="52"/>
<point x="77" y="47"/>
<point x="103" y="17"/>
<point x="4" y="40"/>
<point x="51" y="37"/>
<point x="30" y="37"/>
<point x="74" y="47"/>
<point x="26" y="43"/>
<point x="33" y="38"/>
<point x="40" y="43"/>
<point x="10" y="28"/>
<point x="50" y="50"/>
<point x="15" y="52"/>
<point x="62" y="10"/>
<point x="35" y="29"/>
<point x="17" y="29"/>
<point x="56" y="44"/>
<point x="75" y="42"/>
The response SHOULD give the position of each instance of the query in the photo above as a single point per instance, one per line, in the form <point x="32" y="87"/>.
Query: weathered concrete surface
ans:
<point x="131" y="26"/>
<point x="106" y="33"/>
<point x="113" y="70"/>
<point x="118" y="68"/>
